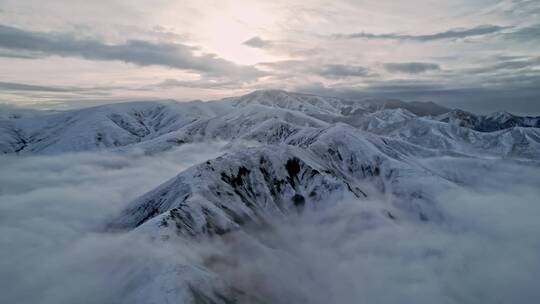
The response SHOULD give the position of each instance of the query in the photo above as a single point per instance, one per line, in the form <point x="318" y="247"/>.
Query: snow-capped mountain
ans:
<point x="307" y="169"/>
<point x="155" y="126"/>
<point x="100" y="127"/>
<point x="308" y="150"/>
<point x="287" y="154"/>
<point x="309" y="104"/>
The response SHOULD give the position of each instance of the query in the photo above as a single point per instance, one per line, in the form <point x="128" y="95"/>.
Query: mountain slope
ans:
<point x="101" y="127"/>
<point x="255" y="184"/>
<point x="427" y="133"/>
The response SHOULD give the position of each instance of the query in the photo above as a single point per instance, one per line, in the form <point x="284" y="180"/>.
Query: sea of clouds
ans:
<point x="53" y="248"/>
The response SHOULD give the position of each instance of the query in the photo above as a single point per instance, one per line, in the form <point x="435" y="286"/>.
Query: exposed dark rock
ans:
<point x="299" y="202"/>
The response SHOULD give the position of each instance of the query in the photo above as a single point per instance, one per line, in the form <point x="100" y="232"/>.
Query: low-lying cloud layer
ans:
<point x="53" y="248"/>
<point x="485" y="251"/>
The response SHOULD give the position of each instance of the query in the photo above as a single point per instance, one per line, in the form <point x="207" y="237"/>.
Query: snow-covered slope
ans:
<point x="309" y="151"/>
<point x="156" y="126"/>
<point x="310" y="168"/>
<point x="309" y="104"/>
<point x="101" y="127"/>
<point x="488" y="123"/>
<point x="443" y="137"/>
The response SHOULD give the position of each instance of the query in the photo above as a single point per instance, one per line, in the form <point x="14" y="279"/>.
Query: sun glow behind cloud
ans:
<point x="223" y="29"/>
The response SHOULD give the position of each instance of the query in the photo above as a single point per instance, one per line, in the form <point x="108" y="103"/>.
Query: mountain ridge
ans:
<point x="125" y="124"/>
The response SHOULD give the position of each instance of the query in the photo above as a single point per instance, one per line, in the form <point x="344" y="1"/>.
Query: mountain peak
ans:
<point x="306" y="103"/>
<point x="500" y="116"/>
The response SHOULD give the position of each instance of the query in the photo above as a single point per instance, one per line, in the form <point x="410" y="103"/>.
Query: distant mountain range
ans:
<point x="488" y="123"/>
<point x="159" y="124"/>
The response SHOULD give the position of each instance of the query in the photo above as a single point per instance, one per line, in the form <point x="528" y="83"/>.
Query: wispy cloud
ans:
<point x="342" y="70"/>
<point x="326" y="70"/>
<point x="527" y="34"/>
<point x="11" y="86"/>
<point x="171" y="83"/>
<point x="480" y="30"/>
<point x="507" y="65"/>
<point x="144" y="53"/>
<point x="411" y="67"/>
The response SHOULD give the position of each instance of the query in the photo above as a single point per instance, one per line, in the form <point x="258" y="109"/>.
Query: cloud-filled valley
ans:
<point x="54" y="212"/>
<point x="55" y="251"/>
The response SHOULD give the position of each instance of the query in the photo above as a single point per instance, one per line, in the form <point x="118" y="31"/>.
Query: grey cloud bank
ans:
<point x="339" y="70"/>
<point x="139" y="52"/>
<point x="10" y="86"/>
<point x="411" y="67"/>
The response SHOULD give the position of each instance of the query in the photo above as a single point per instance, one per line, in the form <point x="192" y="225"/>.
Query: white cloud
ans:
<point x="53" y="249"/>
<point x="52" y="215"/>
<point x="486" y="251"/>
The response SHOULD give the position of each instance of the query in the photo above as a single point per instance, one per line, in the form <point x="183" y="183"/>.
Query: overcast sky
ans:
<point x="480" y="55"/>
